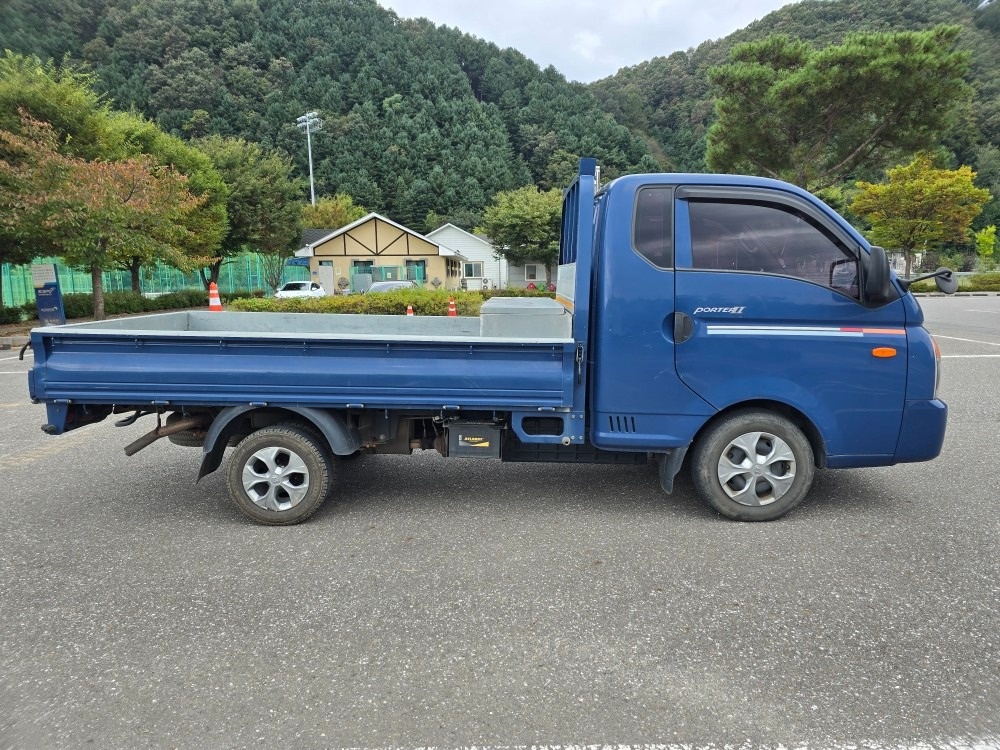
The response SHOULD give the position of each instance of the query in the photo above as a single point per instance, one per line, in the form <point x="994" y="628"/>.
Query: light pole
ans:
<point x="311" y="122"/>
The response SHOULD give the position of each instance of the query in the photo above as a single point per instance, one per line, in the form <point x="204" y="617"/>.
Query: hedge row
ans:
<point x="424" y="302"/>
<point x="115" y="303"/>
<point x="981" y="282"/>
<point x="10" y="315"/>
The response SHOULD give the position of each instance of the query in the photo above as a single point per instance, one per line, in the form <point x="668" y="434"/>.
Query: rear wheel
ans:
<point x="753" y="465"/>
<point x="279" y="475"/>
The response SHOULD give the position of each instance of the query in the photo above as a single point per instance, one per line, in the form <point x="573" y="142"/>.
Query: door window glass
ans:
<point x="769" y="238"/>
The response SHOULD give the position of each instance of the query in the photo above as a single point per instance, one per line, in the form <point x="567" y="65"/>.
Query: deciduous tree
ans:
<point x="332" y="212"/>
<point x="100" y="212"/>
<point x="986" y="243"/>
<point x="264" y="204"/>
<point x="920" y="206"/>
<point x="524" y="226"/>
<point x="206" y="224"/>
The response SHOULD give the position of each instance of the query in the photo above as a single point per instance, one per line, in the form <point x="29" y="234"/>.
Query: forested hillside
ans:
<point x="419" y="118"/>
<point x="669" y="98"/>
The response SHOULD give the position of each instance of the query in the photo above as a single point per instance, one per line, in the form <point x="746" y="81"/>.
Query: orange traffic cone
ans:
<point x="452" y="310"/>
<point x="409" y="311"/>
<point x="214" y="303"/>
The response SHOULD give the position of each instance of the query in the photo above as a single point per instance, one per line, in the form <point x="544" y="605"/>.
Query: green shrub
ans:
<point x="982" y="282"/>
<point x="236" y="294"/>
<point x="9" y="315"/>
<point x="129" y="303"/>
<point x="78" y="305"/>
<point x="424" y="301"/>
<point x="123" y="303"/>
<point x="516" y="292"/>
<point x="180" y="300"/>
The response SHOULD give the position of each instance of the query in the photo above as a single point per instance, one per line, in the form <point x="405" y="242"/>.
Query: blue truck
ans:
<point x="737" y="324"/>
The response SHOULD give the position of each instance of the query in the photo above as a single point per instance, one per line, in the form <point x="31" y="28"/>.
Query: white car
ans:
<point x="300" y="289"/>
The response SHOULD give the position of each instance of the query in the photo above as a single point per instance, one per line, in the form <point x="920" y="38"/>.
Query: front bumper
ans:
<point x="921" y="433"/>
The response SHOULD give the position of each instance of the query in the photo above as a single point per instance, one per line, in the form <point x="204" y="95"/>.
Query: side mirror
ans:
<point x="945" y="278"/>
<point x="877" y="284"/>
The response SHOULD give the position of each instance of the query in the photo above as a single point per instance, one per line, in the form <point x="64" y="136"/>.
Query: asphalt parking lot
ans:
<point x="463" y="603"/>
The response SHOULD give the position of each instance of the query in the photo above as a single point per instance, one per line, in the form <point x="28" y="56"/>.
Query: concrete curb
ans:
<point x="957" y="294"/>
<point x="13" y="342"/>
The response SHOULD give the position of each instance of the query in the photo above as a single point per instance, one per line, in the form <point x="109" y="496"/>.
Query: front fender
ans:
<point x="787" y="393"/>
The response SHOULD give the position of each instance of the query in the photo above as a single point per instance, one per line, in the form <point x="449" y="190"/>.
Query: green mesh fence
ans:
<point x="241" y="273"/>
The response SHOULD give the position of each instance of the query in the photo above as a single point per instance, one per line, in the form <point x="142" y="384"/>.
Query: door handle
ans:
<point x="683" y="327"/>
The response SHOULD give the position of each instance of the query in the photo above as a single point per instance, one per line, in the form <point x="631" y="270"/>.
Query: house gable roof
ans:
<point x="308" y="250"/>
<point x="479" y="237"/>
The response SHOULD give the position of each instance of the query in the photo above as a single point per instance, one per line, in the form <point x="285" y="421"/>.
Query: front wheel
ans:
<point x="753" y="465"/>
<point x="279" y="475"/>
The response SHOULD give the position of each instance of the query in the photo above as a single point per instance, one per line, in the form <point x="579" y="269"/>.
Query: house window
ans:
<point x="474" y="270"/>
<point x="534" y="272"/>
<point x="416" y="270"/>
<point x="362" y="266"/>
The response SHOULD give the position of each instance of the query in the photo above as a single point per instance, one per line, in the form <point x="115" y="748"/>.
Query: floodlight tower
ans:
<point x="312" y="124"/>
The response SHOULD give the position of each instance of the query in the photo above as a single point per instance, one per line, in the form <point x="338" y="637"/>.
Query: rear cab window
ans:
<point x="653" y="225"/>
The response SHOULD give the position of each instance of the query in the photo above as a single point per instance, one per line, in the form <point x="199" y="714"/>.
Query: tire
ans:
<point x="753" y="465"/>
<point x="320" y="439"/>
<point x="279" y="475"/>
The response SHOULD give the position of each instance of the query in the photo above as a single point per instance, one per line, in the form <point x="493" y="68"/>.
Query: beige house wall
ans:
<point x="385" y="245"/>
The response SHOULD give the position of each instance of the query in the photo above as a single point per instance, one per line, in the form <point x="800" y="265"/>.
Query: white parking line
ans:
<point x="970" y="356"/>
<point x="970" y="341"/>
<point x="991" y="312"/>
<point x="7" y="359"/>
<point x="988" y="743"/>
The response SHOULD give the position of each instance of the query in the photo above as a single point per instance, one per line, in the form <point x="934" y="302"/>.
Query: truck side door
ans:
<point x="769" y="290"/>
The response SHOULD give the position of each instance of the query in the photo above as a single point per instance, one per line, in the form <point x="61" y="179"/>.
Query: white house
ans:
<point x="481" y="268"/>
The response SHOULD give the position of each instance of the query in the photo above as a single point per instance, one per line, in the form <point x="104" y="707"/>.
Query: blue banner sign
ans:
<point x="48" y="296"/>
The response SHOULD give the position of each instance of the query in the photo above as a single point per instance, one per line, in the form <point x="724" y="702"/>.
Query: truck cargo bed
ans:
<point x="337" y="361"/>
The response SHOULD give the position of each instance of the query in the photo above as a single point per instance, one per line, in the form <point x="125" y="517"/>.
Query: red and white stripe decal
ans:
<point x="841" y="331"/>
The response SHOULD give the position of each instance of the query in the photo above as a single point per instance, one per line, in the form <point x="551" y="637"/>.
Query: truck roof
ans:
<point x="692" y="178"/>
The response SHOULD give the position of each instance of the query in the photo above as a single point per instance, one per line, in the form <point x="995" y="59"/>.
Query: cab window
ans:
<point x="757" y="237"/>
<point x="653" y="226"/>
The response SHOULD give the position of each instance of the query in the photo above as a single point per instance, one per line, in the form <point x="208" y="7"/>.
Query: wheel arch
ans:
<point x="341" y="438"/>
<point x="795" y="416"/>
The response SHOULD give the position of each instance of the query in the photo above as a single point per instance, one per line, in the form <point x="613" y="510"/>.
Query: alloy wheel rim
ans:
<point x="756" y="468"/>
<point x="275" y="479"/>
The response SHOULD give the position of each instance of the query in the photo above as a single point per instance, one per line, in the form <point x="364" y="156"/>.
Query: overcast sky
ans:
<point x="590" y="39"/>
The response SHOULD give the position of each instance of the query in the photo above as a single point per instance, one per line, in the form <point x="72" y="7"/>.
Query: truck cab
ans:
<point x="743" y="318"/>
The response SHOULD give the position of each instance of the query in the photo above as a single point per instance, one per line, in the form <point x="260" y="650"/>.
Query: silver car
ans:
<point x="388" y="286"/>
